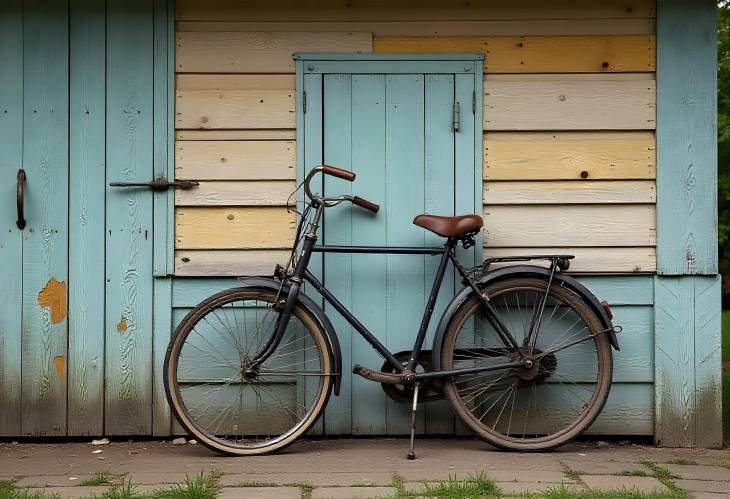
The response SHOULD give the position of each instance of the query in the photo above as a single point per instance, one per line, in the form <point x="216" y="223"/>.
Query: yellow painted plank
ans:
<point x="569" y="105"/>
<point x="210" y="263"/>
<point x="570" y="192"/>
<point x="591" y="260"/>
<point x="264" y="134"/>
<point x="235" y="160"/>
<point x="233" y="228"/>
<point x="237" y="193"/>
<point x="569" y="156"/>
<point x="570" y="225"/>
<point x="235" y="109"/>
<point x="205" y="81"/>
<point x="408" y="10"/>
<point x="543" y="54"/>
<point x="506" y="27"/>
<point x="258" y="52"/>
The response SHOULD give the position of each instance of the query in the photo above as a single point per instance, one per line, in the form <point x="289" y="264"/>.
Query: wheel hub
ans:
<point x="536" y="367"/>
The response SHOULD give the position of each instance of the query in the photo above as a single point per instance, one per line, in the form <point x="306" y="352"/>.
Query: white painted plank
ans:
<point x="235" y="160"/>
<point x="263" y="134"/>
<point x="570" y="225"/>
<point x="570" y="192"/>
<point x="236" y="193"/>
<point x="207" y="81"/>
<point x="569" y="104"/>
<point x="234" y="109"/>
<point x="209" y="263"/>
<point x="258" y="52"/>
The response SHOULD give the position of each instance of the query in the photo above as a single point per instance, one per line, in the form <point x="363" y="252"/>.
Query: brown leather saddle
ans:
<point x="450" y="226"/>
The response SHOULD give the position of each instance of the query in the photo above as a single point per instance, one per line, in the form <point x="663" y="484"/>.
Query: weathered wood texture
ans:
<point x="570" y="192"/>
<point x="87" y="191"/>
<point x="45" y="238"/>
<point x="688" y="361"/>
<point x="686" y="138"/>
<point x="11" y="239"/>
<point x="235" y="160"/>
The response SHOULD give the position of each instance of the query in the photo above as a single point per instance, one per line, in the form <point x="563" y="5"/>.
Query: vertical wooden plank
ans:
<point x="439" y="189"/>
<point x="686" y="137"/>
<point x="708" y="362"/>
<point x="404" y="199"/>
<point x="11" y="238"/>
<point x="338" y="231"/>
<point x="163" y="204"/>
<point x="86" y="218"/>
<point x="368" y="277"/>
<point x="45" y="238"/>
<point x="309" y="155"/>
<point x="130" y="45"/>
<point x="688" y="362"/>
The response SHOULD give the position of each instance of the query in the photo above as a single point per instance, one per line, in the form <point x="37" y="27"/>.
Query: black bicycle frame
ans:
<point x="447" y="252"/>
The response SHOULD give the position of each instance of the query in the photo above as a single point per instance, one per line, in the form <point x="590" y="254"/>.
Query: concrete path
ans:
<point x="365" y="467"/>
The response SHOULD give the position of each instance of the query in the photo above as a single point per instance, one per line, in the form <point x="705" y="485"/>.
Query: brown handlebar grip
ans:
<point x="338" y="172"/>
<point x="364" y="203"/>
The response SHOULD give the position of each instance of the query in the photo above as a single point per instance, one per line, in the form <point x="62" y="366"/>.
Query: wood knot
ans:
<point x="584" y="174"/>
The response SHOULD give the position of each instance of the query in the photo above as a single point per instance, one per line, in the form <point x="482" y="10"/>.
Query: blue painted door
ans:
<point x="397" y="132"/>
<point x="76" y="112"/>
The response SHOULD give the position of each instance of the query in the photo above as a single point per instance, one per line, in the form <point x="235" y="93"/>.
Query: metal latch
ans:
<point x="158" y="184"/>
<point x="456" y="116"/>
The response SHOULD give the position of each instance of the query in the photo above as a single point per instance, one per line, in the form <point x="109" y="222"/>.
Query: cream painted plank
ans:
<point x="233" y="228"/>
<point x="234" y="82"/>
<point x="570" y="192"/>
<point x="570" y="76"/>
<point x="234" y="109"/>
<point x="258" y="52"/>
<point x="388" y="10"/>
<point x="570" y="105"/>
<point x="614" y="260"/>
<point x="211" y="263"/>
<point x="283" y="134"/>
<point x="236" y="193"/>
<point x="527" y="27"/>
<point x="541" y="54"/>
<point x="569" y="156"/>
<point x="235" y="160"/>
<point x="570" y="225"/>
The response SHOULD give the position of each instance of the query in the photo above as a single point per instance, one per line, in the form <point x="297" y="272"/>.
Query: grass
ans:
<point x="634" y="473"/>
<point x="101" y="478"/>
<point x="8" y="490"/>
<point x="726" y="377"/>
<point x="682" y="460"/>
<point x="667" y="478"/>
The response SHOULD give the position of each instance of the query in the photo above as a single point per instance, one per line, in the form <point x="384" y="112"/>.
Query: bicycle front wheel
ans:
<point x="536" y="408"/>
<point x="227" y="402"/>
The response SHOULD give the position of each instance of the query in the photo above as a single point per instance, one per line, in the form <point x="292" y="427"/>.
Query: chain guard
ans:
<point x="429" y="389"/>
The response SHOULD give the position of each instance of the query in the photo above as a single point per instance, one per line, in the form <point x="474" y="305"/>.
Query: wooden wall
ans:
<point x="569" y="120"/>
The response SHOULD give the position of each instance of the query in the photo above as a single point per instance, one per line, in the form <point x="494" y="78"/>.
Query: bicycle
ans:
<point x="523" y="352"/>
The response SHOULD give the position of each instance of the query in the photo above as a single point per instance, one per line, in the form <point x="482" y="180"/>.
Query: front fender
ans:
<point x="520" y="271"/>
<point x="316" y="311"/>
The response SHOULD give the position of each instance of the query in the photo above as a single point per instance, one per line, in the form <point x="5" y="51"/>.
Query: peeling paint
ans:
<point x="122" y="326"/>
<point x="53" y="297"/>
<point x="60" y="363"/>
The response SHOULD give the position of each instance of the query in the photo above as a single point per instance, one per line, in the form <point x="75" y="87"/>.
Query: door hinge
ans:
<point x="304" y="102"/>
<point x="474" y="102"/>
<point x="456" y="116"/>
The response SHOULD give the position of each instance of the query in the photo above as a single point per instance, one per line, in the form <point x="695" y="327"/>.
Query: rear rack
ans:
<point x="562" y="263"/>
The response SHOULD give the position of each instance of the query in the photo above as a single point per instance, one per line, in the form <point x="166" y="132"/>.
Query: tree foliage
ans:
<point x="723" y="137"/>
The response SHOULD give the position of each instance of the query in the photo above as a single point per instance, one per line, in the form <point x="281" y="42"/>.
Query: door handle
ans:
<point x="19" y="195"/>
<point x="158" y="184"/>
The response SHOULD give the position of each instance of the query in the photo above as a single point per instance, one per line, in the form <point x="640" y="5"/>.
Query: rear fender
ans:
<point x="316" y="312"/>
<point x="520" y="271"/>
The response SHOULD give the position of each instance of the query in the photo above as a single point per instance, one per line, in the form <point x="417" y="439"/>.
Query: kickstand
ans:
<point x="412" y="452"/>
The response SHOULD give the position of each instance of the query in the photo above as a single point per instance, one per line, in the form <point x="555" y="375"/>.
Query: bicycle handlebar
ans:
<point x="339" y="173"/>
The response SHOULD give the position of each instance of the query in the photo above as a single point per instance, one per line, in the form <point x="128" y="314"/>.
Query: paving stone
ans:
<point x="603" y="467"/>
<point x="709" y="495"/>
<point x="260" y="493"/>
<point x="699" y="472"/>
<point x="329" y="479"/>
<point x="533" y="487"/>
<point x="703" y="486"/>
<point x="351" y="492"/>
<point x="69" y="491"/>
<point x="51" y="481"/>
<point x="609" y="482"/>
<point x="526" y="474"/>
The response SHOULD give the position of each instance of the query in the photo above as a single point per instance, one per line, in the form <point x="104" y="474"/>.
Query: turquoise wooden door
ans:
<point x="76" y="112"/>
<point x="408" y="131"/>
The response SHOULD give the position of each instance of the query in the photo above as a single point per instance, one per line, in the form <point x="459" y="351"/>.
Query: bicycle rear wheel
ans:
<point x="528" y="409"/>
<point x="226" y="403"/>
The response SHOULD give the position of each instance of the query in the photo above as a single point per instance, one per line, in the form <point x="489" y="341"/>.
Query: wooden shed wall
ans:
<point x="569" y="120"/>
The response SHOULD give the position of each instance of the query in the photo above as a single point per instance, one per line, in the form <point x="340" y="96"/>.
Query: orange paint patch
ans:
<point x="122" y="326"/>
<point x="53" y="297"/>
<point x="60" y="363"/>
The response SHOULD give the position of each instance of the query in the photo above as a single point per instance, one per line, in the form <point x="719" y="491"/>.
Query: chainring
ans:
<point x="429" y="389"/>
